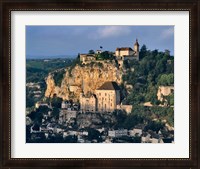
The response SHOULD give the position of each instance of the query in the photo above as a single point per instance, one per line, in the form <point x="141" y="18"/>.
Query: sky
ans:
<point x="51" y="41"/>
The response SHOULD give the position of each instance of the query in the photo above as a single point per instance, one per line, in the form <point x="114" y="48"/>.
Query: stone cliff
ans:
<point x="164" y="91"/>
<point x="83" y="77"/>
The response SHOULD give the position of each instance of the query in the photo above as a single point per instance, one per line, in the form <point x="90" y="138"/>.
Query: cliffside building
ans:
<point x="86" y="58"/>
<point x="127" y="53"/>
<point x="108" y="96"/>
<point x="105" y="99"/>
<point x="88" y="103"/>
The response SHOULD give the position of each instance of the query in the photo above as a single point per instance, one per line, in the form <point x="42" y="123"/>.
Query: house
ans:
<point x="67" y="114"/>
<point x="118" y="133"/>
<point x="87" y="58"/>
<point x="65" y="105"/>
<point x="145" y="138"/>
<point x="135" y="132"/>
<point x="98" y="51"/>
<point x="127" y="108"/>
<point x="38" y="104"/>
<point x="33" y="85"/>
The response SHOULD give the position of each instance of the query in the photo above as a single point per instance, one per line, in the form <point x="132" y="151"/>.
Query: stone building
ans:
<point x="127" y="53"/>
<point x="87" y="58"/>
<point x="117" y="133"/>
<point x="67" y="114"/>
<point x="105" y="99"/>
<point x="88" y="102"/>
<point x="108" y="97"/>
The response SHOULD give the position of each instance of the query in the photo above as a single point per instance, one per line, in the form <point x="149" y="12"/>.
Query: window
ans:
<point x="105" y="94"/>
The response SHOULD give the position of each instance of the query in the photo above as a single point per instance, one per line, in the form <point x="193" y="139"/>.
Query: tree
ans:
<point x="58" y="77"/>
<point x="56" y="102"/>
<point x="154" y="126"/>
<point x="167" y="52"/>
<point x="55" y="112"/>
<point x="91" y="51"/>
<point x="120" y="116"/>
<point x="104" y="56"/>
<point x="132" y="120"/>
<point x="166" y="79"/>
<point x="143" y="51"/>
<point x="94" y="134"/>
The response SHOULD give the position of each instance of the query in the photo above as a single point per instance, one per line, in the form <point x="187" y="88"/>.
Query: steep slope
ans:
<point x="87" y="78"/>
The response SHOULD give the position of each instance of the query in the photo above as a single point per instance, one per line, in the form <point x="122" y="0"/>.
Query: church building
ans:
<point x="127" y="53"/>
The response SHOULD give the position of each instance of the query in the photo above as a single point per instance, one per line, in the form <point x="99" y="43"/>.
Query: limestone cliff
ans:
<point x="164" y="91"/>
<point x="83" y="77"/>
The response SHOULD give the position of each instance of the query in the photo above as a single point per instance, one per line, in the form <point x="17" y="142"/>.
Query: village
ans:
<point x="93" y="117"/>
<point x="74" y="125"/>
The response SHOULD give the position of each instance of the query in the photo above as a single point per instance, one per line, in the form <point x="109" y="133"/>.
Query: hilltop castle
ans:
<point x="127" y="53"/>
<point x="121" y="54"/>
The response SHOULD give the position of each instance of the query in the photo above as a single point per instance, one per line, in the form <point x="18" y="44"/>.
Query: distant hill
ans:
<point x="51" y="57"/>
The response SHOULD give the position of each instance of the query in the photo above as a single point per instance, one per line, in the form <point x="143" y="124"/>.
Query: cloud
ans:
<point x="110" y="31"/>
<point x="167" y="33"/>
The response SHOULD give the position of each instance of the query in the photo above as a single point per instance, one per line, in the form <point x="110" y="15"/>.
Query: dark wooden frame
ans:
<point x="6" y="6"/>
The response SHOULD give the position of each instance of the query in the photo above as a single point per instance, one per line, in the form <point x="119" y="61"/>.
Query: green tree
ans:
<point x="55" y="112"/>
<point x="58" y="77"/>
<point x="94" y="134"/>
<point x="56" y="102"/>
<point x="91" y="51"/>
<point x="143" y="51"/>
<point x="166" y="79"/>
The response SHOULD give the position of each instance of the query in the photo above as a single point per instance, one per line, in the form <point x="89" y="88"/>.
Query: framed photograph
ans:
<point x="89" y="84"/>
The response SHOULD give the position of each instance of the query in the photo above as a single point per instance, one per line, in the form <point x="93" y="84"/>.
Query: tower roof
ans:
<point x="109" y="86"/>
<point x="136" y="43"/>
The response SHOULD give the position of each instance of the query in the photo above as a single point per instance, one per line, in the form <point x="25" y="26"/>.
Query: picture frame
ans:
<point x="6" y="7"/>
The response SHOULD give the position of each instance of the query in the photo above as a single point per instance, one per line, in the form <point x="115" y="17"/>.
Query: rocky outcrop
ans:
<point x="83" y="77"/>
<point x="164" y="91"/>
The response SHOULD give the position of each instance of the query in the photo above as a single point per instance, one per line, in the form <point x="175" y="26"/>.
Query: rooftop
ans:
<point x="124" y="48"/>
<point x="136" y="43"/>
<point x="109" y="86"/>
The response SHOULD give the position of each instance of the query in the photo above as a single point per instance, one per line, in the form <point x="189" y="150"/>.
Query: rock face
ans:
<point x="85" y="78"/>
<point x="164" y="91"/>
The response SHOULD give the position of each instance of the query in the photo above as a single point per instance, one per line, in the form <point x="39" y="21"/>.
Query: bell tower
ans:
<point x="136" y="46"/>
<point x="136" y="49"/>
